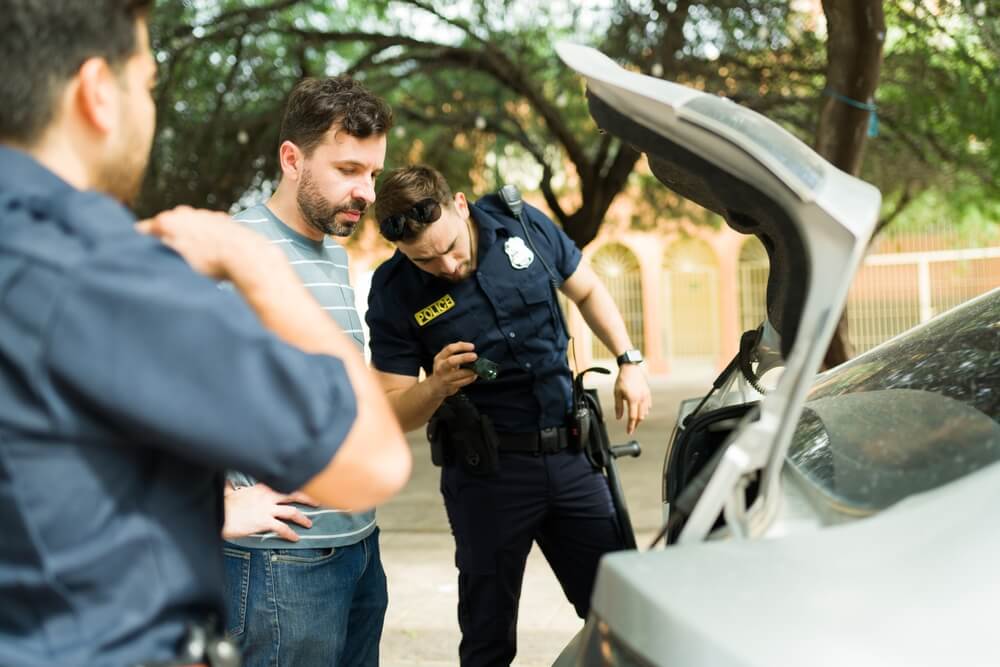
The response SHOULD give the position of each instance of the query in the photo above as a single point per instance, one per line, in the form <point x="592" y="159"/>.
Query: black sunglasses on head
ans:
<point x="424" y="212"/>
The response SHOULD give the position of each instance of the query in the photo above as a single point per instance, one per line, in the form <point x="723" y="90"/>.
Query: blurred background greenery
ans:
<point x="479" y="93"/>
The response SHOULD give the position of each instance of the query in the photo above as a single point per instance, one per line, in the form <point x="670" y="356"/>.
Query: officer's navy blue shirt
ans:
<point x="127" y="383"/>
<point x="507" y="312"/>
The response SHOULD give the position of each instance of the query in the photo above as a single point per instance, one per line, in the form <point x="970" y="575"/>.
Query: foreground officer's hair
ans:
<point x="43" y="43"/>
<point x="316" y="105"/>
<point x="406" y="187"/>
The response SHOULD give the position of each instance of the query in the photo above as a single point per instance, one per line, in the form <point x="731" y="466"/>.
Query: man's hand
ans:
<point x="211" y="242"/>
<point x="261" y="509"/>
<point x="448" y="377"/>
<point x="632" y="391"/>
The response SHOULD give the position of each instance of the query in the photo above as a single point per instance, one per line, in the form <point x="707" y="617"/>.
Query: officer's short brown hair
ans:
<point x="407" y="186"/>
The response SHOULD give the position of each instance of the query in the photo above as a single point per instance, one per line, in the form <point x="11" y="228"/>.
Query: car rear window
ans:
<point x="908" y="416"/>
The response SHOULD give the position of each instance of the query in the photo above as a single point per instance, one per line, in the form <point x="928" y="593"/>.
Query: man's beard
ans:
<point x="320" y="214"/>
<point x="463" y="274"/>
<point x="122" y="175"/>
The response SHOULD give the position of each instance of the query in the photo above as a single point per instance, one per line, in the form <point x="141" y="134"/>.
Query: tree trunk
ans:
<point x="855" y="37"/>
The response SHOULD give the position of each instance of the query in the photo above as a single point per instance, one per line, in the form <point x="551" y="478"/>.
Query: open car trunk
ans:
<point x="814" y="222"/>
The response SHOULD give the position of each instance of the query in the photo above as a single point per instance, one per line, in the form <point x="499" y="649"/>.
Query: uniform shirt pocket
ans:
<point x="537" y="297"/>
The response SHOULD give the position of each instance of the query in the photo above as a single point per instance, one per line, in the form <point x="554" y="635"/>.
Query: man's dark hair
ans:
<point x="406" y="186"/>
<point x="42" y="45"/>
<point x="316" y="105"/>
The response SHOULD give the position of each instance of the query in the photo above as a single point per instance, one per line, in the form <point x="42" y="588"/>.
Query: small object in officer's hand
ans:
<point x="484" y="368"/>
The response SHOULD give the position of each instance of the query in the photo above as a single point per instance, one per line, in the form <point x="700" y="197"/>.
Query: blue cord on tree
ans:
<point x="869" y="107"/>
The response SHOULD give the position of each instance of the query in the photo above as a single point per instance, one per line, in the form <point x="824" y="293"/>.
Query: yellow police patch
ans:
<point x="439" y="307"/>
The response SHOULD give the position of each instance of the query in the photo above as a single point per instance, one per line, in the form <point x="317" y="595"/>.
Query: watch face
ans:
<point x="630" y="357"/>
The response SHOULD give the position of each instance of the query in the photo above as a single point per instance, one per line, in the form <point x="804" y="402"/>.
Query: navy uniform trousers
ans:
<point x="557" y="500"/>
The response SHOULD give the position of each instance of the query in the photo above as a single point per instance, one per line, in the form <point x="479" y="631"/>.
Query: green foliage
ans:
<point x="478" y="93"/>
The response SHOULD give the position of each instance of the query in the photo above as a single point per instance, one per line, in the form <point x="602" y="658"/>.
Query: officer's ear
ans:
<point x="292" y="159"/>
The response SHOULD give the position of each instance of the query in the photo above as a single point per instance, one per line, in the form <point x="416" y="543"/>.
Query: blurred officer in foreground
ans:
<point x="128" y="381"/>
<point x="476" y="282"/>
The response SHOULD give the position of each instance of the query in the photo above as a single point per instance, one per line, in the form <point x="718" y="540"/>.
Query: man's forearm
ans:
<point x="602" y="316"/>
<point x="286" y="308"/>
<point x="415" y="405"/>
<point x="373" y="462"/>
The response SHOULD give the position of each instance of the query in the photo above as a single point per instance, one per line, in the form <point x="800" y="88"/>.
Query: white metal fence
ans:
<point x="895" y="291"/>
<point x="892" y="292"/>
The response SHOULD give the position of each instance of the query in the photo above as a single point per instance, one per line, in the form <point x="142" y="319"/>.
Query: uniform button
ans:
<point x="528" y="365"/>
<point x="512" y="334"/>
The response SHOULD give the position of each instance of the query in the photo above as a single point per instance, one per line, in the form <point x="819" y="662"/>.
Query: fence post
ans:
<point x="924" y="289"/>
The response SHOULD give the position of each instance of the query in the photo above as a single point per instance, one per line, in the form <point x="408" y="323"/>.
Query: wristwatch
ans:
<point x="629" y="357"/>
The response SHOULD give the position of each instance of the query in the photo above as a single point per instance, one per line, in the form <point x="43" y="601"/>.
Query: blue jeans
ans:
<point x="306" y="607"/>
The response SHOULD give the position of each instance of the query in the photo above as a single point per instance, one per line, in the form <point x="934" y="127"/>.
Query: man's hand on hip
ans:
<point x="261" y="509"/>
<point x="632" y="393"/>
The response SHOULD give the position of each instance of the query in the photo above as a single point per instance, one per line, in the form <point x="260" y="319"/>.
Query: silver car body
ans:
<point x="790" y="580"/>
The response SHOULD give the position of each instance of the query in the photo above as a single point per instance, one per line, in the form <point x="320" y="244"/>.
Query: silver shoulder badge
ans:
<point x="518" y="252"/>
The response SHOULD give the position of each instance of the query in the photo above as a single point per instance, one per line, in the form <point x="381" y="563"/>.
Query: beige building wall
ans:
<point x="692" y="294"/>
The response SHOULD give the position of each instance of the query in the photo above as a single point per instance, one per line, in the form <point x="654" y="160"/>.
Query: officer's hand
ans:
<point x="211" y="242"/>
<point x="447" y="377"/>
<point x="632" y="391"/>
<point x="261" y="509"/>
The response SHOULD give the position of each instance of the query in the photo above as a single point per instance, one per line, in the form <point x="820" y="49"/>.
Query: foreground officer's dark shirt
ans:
<point x="127" y="383"/>
<point x="505" y="311"/>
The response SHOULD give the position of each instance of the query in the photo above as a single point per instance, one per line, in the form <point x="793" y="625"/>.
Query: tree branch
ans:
<point x="498" y="126"/>
<point x="616" y="175"/>
<point x="494" y="63"/>
<point x="904" y="200"/>
<point x="461" y="25"/>
<point x="246" y="13"/>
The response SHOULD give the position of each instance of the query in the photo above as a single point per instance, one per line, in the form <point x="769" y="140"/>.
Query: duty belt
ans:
<point x="547" y="441"/>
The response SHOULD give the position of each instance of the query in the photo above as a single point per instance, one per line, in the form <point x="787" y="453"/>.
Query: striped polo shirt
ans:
<point x="322" y="267"/>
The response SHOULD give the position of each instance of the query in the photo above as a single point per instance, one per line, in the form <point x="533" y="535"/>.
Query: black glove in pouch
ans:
<point x="458" y="433"/>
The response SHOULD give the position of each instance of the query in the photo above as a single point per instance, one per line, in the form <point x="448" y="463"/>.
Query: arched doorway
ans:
<point x="618" y="269"/>
<point x="754" y="268"/>
<point x="691" y="281"/>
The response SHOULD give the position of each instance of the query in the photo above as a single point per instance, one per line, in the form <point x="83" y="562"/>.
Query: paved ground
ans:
<point x="417" y="550"/>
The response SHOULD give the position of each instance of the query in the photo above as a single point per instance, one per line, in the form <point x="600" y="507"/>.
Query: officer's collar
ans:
<point x="489" y="226"/>
<point x="22" y="173"/>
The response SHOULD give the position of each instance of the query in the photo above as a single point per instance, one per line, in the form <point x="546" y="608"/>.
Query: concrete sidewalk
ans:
<point x="418" y="552"/>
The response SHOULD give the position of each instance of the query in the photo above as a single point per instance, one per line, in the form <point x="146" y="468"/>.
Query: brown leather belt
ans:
<point x="547" y="441"/>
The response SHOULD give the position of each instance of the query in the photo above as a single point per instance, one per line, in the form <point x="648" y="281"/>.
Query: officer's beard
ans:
<point x="464" y="272"/>
<point x="469" y="265"/>
<point x="320" y="214"/>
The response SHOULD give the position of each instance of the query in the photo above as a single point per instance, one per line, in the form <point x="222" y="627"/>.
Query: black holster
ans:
<point x="458" y="433"/>
<point x="588" y="432"/>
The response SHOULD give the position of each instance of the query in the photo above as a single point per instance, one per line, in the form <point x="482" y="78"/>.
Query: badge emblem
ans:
<point x="518" y="252"/>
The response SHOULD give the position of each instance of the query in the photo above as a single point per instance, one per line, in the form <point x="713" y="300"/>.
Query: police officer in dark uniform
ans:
<point x="471" y="282"/>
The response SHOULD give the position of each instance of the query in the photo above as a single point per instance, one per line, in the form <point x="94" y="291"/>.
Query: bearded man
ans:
<point x="305" y="584"/>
